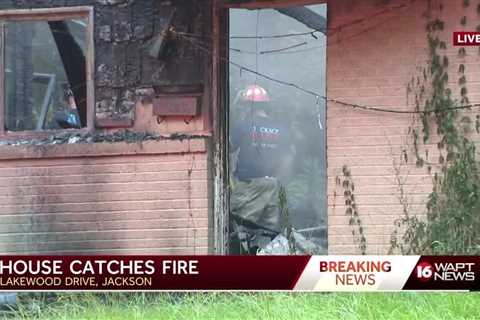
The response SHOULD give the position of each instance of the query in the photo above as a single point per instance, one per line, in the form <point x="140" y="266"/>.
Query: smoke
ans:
<point x="292" y="58"/>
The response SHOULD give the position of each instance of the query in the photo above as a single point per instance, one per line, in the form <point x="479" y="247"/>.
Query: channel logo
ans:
<point x="459" y="271"/>
<point x="424" y="271"/>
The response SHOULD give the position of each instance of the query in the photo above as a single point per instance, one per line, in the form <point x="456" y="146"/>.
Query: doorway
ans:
<point x="276" y="88"/>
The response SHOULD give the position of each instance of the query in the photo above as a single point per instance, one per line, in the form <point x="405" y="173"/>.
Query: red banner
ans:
<point x="301" y="273"/>
<point x="463" y="38"/>
<point x="150" y="272"/>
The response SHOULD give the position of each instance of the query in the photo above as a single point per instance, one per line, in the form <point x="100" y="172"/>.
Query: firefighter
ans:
<point x="68" y="118"/>
<point x="263" y="149"/>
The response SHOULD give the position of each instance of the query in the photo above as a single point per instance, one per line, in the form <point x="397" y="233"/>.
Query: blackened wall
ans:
<point x="128" y="198"/>
<point x="123" y="30"/>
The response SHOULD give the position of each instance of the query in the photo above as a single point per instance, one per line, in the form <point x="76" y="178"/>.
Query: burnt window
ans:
<point x="45" y="70"/>
<point x="277" y="129"/>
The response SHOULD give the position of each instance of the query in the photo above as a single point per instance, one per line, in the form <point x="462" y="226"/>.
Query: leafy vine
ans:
<point x="358" y="231"/>
<point x="452" y="224"/>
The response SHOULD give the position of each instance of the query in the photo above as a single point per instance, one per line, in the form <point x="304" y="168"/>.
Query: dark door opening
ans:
<point x="277" y="136"/>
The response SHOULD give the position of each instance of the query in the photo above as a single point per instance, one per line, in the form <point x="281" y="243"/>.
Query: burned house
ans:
<point x="118" y="122"/>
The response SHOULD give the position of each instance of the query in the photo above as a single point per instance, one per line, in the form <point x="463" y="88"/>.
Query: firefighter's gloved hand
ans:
<point x="72" y="119"/>
<point x="67" y="119"/>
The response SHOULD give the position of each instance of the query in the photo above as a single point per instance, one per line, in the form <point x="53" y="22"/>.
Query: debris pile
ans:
<point x="89" y="137"/>
<point x="281" y="246"/>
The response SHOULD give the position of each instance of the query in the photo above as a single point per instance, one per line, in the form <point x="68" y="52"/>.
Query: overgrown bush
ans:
<point x="452" y="224"/>
<point x="453" y="212"/>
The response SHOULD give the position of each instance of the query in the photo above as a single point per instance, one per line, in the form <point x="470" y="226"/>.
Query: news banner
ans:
<point x="241" y="273"/>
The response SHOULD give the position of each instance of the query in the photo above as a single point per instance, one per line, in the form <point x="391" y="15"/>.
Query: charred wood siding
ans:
<point x="146" y="197"/>
<point x="123" y="29"/>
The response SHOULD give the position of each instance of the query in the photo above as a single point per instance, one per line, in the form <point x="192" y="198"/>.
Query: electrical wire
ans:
<point x="287" y="35"/>
<point x="252" y="117"/>
<point x="270" y="51"/>
<point x="320" y="96"/>
<point x="283" y="49"/>
<point x="333" y="31"/>
<point x="330" y="31"/>
<point x="297" y="51"/>
<point x="369" y="17"/>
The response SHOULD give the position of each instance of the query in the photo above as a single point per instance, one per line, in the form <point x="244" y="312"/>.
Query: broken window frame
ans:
<point x="50" y="14"/>
<point x="220" y="108"/>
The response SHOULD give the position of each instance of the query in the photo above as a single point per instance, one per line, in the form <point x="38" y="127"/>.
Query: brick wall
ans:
<point x="148" y="198"/>
<point x="370" y="63"/>
<point x="121" y="198"/>
<point x="153" y="199"/>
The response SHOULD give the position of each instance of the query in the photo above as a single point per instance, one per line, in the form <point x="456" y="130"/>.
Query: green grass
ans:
<point x="253" y="306"/>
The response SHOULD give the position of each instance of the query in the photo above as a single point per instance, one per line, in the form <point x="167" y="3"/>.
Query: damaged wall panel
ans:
<point x="124" y="29"/>
<point x="143" y="189"/>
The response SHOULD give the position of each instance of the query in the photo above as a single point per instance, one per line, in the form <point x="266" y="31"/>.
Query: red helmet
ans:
<point x="254" y="93"/>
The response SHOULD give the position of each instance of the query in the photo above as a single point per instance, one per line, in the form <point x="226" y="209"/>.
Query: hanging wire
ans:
<point x="256" y="45"/>
<point x="253" y="124"/>
<point x="315" y="94"/>
<point x="287" y="35"/>
<point x="284" y="49"/>
<point x="269" y="51"/>
<point x="330" y="31"/>
<point x="297" y="51"/>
